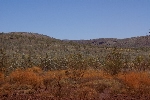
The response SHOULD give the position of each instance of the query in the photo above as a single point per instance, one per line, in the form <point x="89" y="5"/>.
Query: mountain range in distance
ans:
<point x="133" y="42"/>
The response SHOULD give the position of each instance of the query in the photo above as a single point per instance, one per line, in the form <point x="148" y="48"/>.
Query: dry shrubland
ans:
<point x="58" y="84"/>
<point x="76" y="75"/>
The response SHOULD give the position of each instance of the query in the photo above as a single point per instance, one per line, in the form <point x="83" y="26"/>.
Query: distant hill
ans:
<point x="133" y="42"/>
<point x="34" y="39"/>
<point x="21" y="46"/>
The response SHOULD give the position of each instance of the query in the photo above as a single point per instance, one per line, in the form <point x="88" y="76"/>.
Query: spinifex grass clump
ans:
<point x="26" y="77"/>
<point x="50" y="78"/>
<point x="138" y="81"/>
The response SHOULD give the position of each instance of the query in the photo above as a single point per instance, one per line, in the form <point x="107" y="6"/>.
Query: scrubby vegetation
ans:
<point x="33" y="64"/>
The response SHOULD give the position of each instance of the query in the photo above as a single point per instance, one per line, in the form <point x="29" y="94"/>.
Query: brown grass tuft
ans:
<point x="96" y="74"/>
<point x="50" y="78"/>
<point x="35" y="69"/>
<point x="28" y="77"/>
<point x="137" y="80"/>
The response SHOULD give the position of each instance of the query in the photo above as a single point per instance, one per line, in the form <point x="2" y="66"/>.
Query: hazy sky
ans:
<point x="76" y="19"/>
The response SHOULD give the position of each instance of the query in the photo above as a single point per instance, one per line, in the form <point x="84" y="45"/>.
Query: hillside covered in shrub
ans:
<point x="37" y="66"/>
<point x="23" y="49"/>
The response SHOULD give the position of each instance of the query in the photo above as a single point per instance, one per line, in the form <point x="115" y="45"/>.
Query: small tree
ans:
<point x="141" y="63"/>
<point x="76" y="67"/>
<point x="114" y="62"/>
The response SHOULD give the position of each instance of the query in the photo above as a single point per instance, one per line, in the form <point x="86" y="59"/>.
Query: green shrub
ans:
<point x="141" y="63"/>
<point x="76" y="67"/>
<point x="113" y="62"/>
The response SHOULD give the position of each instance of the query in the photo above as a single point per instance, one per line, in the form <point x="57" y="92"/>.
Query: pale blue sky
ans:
<point x="76" y="19"/>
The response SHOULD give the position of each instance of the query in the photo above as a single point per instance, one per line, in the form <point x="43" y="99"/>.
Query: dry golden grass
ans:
<point x="27" y="76"/>
<point x="96" y="74"/>
<point x="51" y="78"/>
<point x="92" y="83"/>
<point x="136" y="80"/>
<point x="55" y="74"/>
<point x="35" y="70"/>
